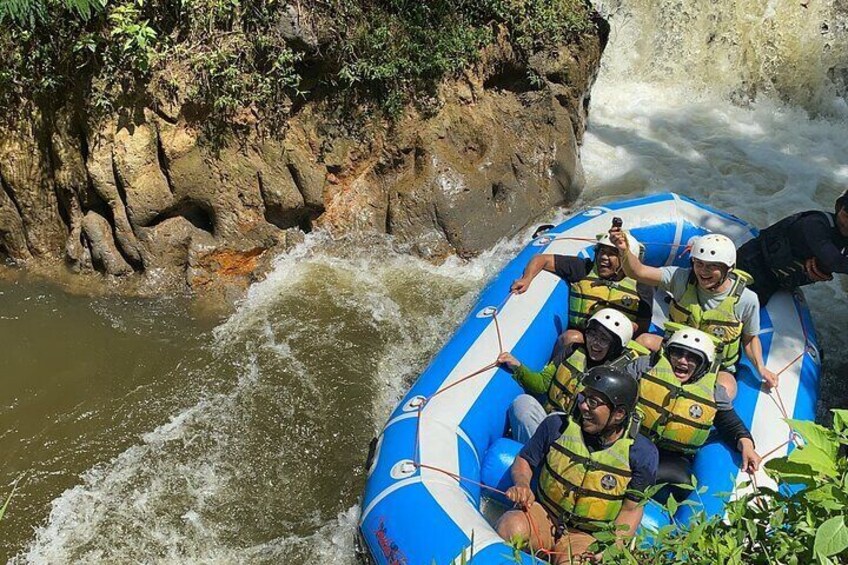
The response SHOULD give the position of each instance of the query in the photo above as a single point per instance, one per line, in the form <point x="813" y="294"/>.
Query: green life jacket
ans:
<point x="569" y="374"/>
<point x="592" y="293"/>
<point x="720" y="322"/>
<point x="580" y="487"/>
<point x="677" y="416"/>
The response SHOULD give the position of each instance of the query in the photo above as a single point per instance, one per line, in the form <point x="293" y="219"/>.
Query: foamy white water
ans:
<point x="733" y="103"/>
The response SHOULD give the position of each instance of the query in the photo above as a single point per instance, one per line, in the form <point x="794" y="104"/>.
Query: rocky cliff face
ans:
<point x="145" y="198"/>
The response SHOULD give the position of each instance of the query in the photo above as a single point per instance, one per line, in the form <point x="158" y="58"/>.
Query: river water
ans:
<point x="141" y="430"/>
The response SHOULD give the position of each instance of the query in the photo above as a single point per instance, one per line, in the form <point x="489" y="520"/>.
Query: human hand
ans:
<point x="811" y="267"/>
<point x="771" y="379"/>
<point x="618" y="239"/>
<point x="750" y="458"/>
<point x="521" y="495"/>
<point x="519" y="286"/>
<point x="509" y="360"/>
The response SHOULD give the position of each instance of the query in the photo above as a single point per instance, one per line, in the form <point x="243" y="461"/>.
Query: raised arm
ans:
<point x="631" y="264"/>
<point x="539" y="263"/>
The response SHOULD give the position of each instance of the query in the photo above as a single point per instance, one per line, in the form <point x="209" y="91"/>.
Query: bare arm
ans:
<point x="630" y="516"/>
<point x="521" y="493"/>
<point x="754" y="350"/>
<point x="750" y="458"/>
<point x="631" y="264"/>
<point x="539" y="263"/>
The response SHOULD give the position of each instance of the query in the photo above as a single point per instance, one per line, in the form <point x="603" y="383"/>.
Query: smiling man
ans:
<point x="681" y="400"/>
<point x="594" y="284"/>
<point x="711" y="296"/>
<point x="802" y="249"/>
<point x="590" y="468"/>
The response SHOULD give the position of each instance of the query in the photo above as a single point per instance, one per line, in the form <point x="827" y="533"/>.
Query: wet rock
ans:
<point x="104" y="253"/>
<point x="101" y="170"/>
<point x="26" y="179"/>
<point x="140" y="174"/>
<point x="150" y="191"/>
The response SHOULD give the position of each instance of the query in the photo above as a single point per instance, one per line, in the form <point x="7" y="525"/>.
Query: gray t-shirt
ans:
<point x="675" y="279"/>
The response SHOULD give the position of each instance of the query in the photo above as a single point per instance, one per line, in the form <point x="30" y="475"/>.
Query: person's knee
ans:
<point x="651" y="341"/>
<point x="525" y="415"/>
<point x="728" y="381"/>
<point x="513" y="524"/>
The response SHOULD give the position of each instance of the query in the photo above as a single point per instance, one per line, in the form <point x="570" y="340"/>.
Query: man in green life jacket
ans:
<point x="609" y="336"/>
<point x="710" y="296"/>
<point x="681" y="400"/>
<point x="594" y="284"/>
<point x="589" y="467"/>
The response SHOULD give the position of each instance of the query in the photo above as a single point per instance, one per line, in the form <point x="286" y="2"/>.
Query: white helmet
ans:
<point x="714" y="248"/>
<point x="695" y="341"/>
<point x="635" y="247"/>
<point x="615" y="322"/>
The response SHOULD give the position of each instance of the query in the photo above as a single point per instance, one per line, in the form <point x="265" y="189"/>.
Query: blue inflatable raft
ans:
<point x="425" y="493"/>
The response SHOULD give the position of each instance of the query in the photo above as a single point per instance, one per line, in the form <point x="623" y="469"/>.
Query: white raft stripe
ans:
<point x="767" y="427"/>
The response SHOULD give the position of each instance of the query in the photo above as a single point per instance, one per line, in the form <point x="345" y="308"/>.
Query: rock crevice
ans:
<point x="132" y="196"/>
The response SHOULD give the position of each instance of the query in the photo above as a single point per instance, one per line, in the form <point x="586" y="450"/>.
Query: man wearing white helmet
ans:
<point x="609" y="342"/>
<point x="681" y="401"/>
<point x="712" y="296"/>
<point x="804" y="248"/>
<point x="594" y="284"/>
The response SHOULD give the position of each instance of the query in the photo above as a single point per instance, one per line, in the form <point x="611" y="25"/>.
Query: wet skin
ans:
<point x="597" y="344"/>
<point x="596" y="413"/>
<point x="710" y="276"/>
<point x="608" y="262"/>
<point x="683" y="363"/>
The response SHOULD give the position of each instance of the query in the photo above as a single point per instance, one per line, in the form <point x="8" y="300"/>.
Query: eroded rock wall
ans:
<point x="148" y="196"/>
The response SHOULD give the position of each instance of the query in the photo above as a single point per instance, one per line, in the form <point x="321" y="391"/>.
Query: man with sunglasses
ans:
<point x="609" y="335"/>
<point x="590" y="467"/>
<point x="594" y="284"/>
<point x="681" y="401"/>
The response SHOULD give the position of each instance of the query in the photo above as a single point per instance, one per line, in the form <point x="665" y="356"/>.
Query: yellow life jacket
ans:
<point x="677" y="416"/>
<point x="566" y="382"/>
<point x="579" y="487"/>
<point x="592" y="293"/>
<point x="720" y="322"/>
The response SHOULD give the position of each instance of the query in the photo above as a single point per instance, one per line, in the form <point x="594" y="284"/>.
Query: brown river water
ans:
<point x="146" y="431"/>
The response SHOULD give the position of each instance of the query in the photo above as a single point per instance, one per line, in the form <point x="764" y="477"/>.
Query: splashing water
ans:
<point x="734" y="103"/>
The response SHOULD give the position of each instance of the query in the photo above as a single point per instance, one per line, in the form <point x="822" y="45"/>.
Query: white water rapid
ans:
<point x="734" y="103"/>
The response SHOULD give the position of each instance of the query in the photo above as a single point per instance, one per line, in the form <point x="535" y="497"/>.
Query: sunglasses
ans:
<point x="591" y="401"/>
<point x="689" y="356"/>
<point x="599" y="336"/>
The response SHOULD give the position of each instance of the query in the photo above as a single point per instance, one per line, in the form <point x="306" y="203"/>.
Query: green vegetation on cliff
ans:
<point x="225" y="57"/>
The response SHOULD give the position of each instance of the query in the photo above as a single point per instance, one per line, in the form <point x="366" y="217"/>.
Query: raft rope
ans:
<point x="793" y="436"/>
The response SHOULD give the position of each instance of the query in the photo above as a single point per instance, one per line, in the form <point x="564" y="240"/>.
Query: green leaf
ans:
<point x="8" y="499"/>
<point x="672" y="506"/>
<point x="816" y="435"/>
<point x="820" y="461"/>
<point x="840" y="421"/>
<point x="831" y="537"/>
<point x="782" y="468"/>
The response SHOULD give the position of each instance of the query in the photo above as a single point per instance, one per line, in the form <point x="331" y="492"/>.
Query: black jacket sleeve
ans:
<point x="571" y="269"/>
<point x="819" y="237"/>
<point x="731" y="427"/>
